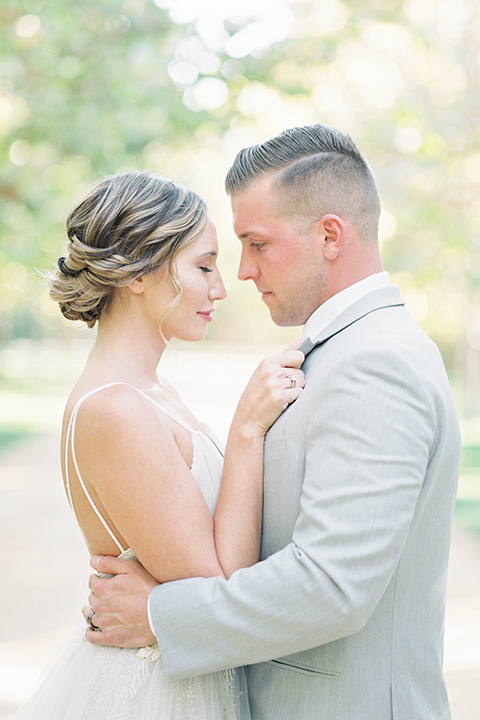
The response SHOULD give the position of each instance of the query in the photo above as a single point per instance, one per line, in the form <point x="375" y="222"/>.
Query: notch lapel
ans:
<point x="376" y="300"/>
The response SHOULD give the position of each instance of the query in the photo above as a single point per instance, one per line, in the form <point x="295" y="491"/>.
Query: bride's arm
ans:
<point x="238" y="514"/>
<point x="130" y="458"/>
<point x="133" y="464"/>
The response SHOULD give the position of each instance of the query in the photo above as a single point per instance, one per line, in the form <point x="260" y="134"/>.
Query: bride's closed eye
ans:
<point x="205" y="269"/>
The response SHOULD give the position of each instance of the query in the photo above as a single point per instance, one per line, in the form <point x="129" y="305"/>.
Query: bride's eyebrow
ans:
<point x="207" y="255"/>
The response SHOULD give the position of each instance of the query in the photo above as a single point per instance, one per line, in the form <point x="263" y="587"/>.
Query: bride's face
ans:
<point x="198" y="276"/>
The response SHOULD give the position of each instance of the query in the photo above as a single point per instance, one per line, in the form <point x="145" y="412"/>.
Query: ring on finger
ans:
<point x="293" y="381"/>
<point x="89" y="620"/>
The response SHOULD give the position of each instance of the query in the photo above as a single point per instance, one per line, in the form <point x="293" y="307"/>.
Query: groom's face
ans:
<point x="285" y="264"/>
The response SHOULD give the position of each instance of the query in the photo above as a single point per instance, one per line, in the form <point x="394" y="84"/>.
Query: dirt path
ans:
<point x="44" y="568"/>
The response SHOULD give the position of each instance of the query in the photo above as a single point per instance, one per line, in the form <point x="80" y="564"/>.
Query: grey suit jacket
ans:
<point x="343" y="617"/>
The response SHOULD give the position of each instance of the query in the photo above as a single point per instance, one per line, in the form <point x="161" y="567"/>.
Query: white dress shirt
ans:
<point x="334" y="306"/>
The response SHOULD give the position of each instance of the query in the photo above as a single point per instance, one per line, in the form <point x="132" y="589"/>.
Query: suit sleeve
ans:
<point x="367" y="447"/>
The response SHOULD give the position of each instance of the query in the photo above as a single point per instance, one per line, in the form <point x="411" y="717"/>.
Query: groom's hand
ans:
<point x="119" y="603"/>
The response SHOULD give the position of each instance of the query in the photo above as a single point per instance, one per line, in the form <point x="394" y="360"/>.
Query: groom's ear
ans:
<point x="331" y="233"/>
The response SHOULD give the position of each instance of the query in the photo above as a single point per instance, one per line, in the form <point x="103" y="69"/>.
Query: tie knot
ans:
<point x="306" y="346"/>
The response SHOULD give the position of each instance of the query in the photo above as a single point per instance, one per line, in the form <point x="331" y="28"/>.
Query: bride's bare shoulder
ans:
<point x="118" y="410"/>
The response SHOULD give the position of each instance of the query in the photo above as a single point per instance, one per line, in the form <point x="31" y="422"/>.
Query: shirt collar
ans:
<point x="334" y="306"/>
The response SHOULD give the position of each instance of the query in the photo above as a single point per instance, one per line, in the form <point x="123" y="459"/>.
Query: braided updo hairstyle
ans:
<point x="129" y="224"/>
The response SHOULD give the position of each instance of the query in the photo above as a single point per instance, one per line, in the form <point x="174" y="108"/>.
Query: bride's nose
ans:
<point x="217" y="289"/>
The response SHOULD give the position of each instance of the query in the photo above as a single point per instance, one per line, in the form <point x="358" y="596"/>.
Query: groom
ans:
<point x="343" y="617"/>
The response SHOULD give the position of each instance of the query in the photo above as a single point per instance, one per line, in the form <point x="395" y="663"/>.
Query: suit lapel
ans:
<point x="376" y="300"/>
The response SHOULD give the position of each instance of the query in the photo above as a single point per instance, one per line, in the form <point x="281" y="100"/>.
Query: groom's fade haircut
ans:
<point x="317" y="170"/>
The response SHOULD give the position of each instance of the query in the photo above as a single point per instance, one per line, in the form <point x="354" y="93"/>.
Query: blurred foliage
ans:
<point x="11" y="436"/>
<point x="467" y="509"/>
<point x="467" y="513"/>
<point x="179" y="86"/>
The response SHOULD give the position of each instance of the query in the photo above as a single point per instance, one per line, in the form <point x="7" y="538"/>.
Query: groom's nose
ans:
<point x="247" y="269"/>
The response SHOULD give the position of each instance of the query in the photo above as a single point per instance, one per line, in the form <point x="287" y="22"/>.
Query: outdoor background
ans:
<point x="178" y="87"/>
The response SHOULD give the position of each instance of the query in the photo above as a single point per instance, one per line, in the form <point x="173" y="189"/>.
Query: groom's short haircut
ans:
<point x="318" y="170"/>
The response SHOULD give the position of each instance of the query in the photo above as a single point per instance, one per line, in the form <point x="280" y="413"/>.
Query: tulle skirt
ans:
<point x="86" y="682"/>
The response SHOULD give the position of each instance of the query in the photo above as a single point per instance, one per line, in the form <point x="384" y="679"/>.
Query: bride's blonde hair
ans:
<point x="127" y="225"/>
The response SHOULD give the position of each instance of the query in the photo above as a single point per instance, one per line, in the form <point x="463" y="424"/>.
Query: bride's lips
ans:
<point x="206" y="315"/>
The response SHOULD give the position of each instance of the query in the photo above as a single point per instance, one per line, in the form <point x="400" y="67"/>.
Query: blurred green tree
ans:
<point x="180" y="85"/>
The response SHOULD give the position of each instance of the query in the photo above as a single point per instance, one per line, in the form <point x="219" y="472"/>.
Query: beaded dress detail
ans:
<point x="86" y="682"/>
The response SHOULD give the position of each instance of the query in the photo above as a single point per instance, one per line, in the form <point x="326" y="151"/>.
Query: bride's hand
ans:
<point x="276" y="383"/>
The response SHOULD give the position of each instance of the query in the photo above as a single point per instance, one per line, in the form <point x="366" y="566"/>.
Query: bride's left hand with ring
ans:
<point x="276" y="383"/>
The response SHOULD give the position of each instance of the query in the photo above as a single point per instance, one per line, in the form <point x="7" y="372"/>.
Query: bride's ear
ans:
<point x="137" y="286"/>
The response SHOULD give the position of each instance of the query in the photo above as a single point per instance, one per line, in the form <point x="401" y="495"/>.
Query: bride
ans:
<point x="145" y="479"/>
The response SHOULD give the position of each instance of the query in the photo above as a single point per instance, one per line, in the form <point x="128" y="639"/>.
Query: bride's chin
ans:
<point x="192" y="337"/>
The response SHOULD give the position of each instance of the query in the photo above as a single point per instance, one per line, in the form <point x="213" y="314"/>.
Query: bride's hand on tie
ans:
<point x="276" y="383"/>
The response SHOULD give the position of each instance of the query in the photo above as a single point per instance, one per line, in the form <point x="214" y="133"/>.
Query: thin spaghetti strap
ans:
<point x="65" y="462"/>
<point x="166" y="411"/>
<point x="70" y="441"/>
